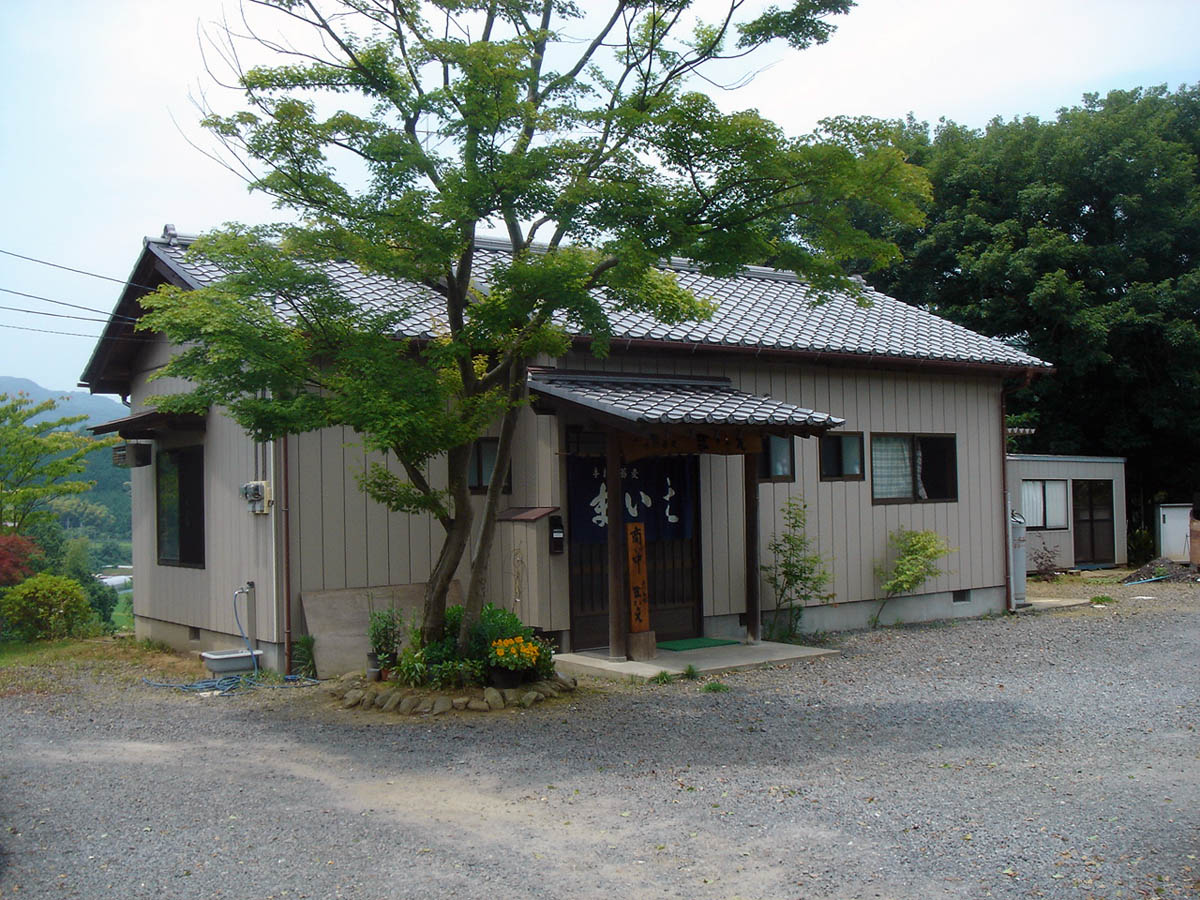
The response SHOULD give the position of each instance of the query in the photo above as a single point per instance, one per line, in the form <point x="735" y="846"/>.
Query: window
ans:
<point x="483" y="462"/>
<point x="1044" y="504"/>
<point x="913" y="468"/>
<point x="179" y="506"/>
<point x="841" y="457"/>
<point x="777" y="462"/>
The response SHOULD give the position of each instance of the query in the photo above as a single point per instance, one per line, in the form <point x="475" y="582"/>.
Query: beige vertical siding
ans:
<point x="848" y="529"/>
<point x="238" y="545"/>
<point x="1069" y="469"/>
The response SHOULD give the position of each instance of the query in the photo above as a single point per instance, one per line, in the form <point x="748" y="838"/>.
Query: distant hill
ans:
<point x="78" y="403"/>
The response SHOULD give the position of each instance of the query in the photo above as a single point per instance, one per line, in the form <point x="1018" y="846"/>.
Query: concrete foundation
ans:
<point x="920" y="608"/>
<point x="183" y="638"/>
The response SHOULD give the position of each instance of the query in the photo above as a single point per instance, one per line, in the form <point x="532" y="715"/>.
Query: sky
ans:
<point x="97" y="124"/>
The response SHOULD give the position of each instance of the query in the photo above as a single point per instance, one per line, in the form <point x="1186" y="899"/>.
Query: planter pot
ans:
<point x="501" y="678"/>
<point x="385" y="674"/>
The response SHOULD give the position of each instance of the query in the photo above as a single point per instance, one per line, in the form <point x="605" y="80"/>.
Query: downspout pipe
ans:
<point x="287" y="562"/>
<point x="1006" y="525"/>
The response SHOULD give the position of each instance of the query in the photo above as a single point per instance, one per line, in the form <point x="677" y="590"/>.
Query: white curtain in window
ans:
<point x="891" y="468"/>
<point x="1056" y="504"/>
<point x="1032" y="505"/>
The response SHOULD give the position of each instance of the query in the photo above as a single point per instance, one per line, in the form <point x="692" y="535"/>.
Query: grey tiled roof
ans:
<point x="654" y="400"/>
<point x="759" y="310"/>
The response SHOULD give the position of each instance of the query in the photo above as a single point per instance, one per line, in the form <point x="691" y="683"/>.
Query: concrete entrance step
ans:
<point x="707" y="660"/>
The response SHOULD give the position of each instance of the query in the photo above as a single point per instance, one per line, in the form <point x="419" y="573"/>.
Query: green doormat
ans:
<point x="694" y="643"/>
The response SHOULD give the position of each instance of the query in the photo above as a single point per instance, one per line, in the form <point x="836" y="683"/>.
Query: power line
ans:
<point x="46" y="262"/>
<point x="65" y="303"/>
<point x="38" y="312"/>
<point x="94" y="337"/>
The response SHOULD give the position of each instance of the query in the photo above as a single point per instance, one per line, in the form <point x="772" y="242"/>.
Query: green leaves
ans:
<point x="1078" y="239"/>
<point x="38" y="460"/>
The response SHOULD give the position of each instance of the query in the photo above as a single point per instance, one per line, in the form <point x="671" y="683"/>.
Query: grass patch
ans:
<point x="50" y="667"/>
<point x="691" y="673"/>
<point x="716" y="687"/>
<point x="1103" y="600"/>
<point x="123" y="612"/>
<point x="663" y="677"/>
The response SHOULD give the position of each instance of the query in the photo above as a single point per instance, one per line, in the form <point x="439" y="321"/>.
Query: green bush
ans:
<point x="797" y="575"/>
<point x="495" y="623"/>
<point x="304" y="660"/>
<point x="46" y="607"/>
<point x="439" y="663"/>
<point x="1140" y="546"/>
<point x="445" y="650"/>
<point x="384" y="632"/>
<point x="917" y="553"/>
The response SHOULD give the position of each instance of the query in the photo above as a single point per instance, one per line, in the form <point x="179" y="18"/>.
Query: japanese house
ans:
<point x="880" y="418"/>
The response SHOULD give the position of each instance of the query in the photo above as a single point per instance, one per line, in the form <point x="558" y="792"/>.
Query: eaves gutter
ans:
<point x="824" y="357"/>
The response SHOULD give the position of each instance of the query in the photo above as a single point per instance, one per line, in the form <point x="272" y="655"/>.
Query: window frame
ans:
<point x="915" y="497"/>
<point x="840" y="437"/>
<point x="1066" y="508"/>
<point x="186" y="466"/>
<point x="476" y="483"/>
<point x="765" y="458"/>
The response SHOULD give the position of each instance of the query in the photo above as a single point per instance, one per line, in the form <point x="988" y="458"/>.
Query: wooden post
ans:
<point x="750" y="486"/>
<point x="641" y="643"/>
<point x="618" y="616"/>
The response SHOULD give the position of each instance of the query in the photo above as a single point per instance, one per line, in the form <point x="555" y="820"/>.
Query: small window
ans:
<point x="913" y="468"/>
<point x="841" y="457"/>
<point x="483" y="463"/>
<point x="1044" y="504"/>
<point x="777" y="461"/>
<point x="179" y="506"/>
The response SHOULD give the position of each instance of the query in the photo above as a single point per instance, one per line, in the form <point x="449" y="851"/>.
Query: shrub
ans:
<point x="384" y="630"/>
<point x="495" y="623"/>
<point x="446" y="649"/>
<point x="16" y="558"/>
<point x="303" y="659"/>
<point x="1141" y="546"/>
<point x="917" y="553"/>
<point x="46" y="607"/>
<point x="798" y="575"/>
<point x="1043" y="561"/>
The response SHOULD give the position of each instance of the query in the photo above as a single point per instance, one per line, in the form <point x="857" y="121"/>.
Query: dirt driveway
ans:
<point x="1053" y="755"/>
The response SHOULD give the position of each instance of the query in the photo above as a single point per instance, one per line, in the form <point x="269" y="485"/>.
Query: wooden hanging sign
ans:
<point x="639" y="596"/>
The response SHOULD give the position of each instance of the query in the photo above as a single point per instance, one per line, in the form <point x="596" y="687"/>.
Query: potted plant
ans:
<point x="513" y="660"/>
<point x="384" y="630"/>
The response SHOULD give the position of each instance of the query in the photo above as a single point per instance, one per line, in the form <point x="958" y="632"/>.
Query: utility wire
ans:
<point x="38" y="312"/>
<point x="65" y="303"/>
<point x="94" y="337"/>
<point x="46" y="262"/>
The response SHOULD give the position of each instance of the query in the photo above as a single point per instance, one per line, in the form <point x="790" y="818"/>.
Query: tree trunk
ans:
<point x="477" y="586"/>
<point x="458" y="535"/>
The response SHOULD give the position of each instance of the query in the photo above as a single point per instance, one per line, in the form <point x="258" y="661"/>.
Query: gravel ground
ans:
<point x="1047" y="755"/>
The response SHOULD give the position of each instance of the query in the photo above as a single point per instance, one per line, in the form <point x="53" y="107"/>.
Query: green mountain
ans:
<point x="76" y="403"/>
<point x="110" y="542"/>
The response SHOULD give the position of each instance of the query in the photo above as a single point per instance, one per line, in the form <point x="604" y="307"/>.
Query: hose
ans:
<point x="227" y="684"/>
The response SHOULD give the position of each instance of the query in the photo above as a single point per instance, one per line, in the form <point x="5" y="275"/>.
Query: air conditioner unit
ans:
<point x="131" y="456"/>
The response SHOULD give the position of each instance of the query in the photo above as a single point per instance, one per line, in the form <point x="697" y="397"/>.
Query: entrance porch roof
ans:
<point x="676" y="403"/>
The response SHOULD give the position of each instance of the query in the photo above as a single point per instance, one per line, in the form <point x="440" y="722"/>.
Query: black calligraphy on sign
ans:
<point x="639" y="596"/>
<point x="658" y="492"/>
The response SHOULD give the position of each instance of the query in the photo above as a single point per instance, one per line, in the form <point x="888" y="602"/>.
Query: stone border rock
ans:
<point x="354" y="691"/>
